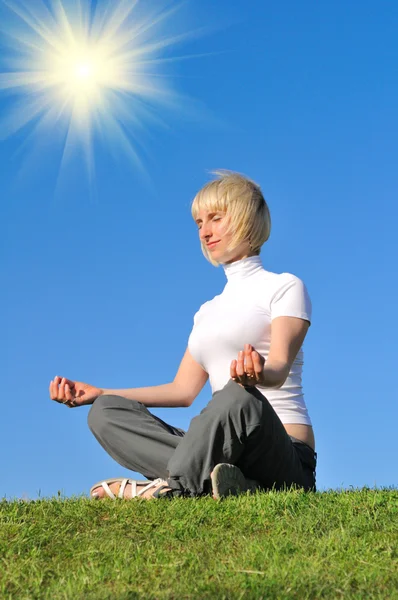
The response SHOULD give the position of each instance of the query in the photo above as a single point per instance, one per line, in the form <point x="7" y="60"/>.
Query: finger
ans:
<point x="56" y="381"/>
<point x="249" y="368"/>
<point x="240" y="367"/>
<point x="68" y="394"/>
<point x="232" y="370"/>
<point x="61" y="390"/>
<point x="54" y="390"/>
<point x="258" y="362"/>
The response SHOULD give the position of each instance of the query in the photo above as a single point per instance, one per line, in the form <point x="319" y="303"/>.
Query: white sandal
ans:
<point x="123" y="482"/>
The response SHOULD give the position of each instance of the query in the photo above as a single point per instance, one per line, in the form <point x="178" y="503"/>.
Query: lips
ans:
<point x="212" y="244"/>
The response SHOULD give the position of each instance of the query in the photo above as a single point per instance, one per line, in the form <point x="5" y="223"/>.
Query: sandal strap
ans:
<point x="133" y="488"/>
<point x="134" y="493"/>
<point x="122" y="488"/>
<point x="108" y="490"/>
<point x="165" y="491"/>
<point x="149" y="486"/>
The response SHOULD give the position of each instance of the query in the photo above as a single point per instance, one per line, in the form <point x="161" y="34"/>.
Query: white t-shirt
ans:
<point x="242" y="314"/>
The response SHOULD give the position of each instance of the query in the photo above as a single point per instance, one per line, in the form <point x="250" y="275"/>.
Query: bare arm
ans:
<point x="287" y="337"/>
<point x="156" y="395"/>
<point x="182" y="391"/>
<point x="188" y="382"/>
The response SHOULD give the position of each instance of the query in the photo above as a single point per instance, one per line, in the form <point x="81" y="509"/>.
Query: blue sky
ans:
<point x="102" y="288"/>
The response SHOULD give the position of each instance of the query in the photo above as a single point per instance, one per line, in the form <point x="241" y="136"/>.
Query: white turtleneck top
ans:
<point x="242" y="314"/>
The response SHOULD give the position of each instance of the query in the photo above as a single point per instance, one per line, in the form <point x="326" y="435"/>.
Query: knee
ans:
<point x="234" y="398"/>
<point x="101" y="410"/>
<point x="97" y="415"/>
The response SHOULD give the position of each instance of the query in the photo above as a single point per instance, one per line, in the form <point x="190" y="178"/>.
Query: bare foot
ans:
<point x="99" y="491"/>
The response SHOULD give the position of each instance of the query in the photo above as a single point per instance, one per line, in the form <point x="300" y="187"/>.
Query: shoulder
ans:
<point x="283" y="277"/>
<point x="290" y="297"/>
<point x="282" y="281"/>
<point x="276" y="282"/>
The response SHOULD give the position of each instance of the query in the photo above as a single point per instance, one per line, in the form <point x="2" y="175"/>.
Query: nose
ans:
<point x="205" y="231"/>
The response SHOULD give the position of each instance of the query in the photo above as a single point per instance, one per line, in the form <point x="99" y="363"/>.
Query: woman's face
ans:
<point x="213" y="234"/>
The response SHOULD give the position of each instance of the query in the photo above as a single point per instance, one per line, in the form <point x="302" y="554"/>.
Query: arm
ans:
<point x="287" y="337"/>
<point x="182" y="391"/>
<point x="187" y="384"/>
<point x="291" y="311"/>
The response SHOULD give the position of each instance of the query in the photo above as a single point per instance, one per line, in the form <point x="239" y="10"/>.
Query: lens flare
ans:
<point x="88" y="66"/>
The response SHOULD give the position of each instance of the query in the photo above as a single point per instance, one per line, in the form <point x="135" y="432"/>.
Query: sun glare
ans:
<point x="84" y="71"/>
<point x="87" y="70"/>
<point x="82" y="75"/>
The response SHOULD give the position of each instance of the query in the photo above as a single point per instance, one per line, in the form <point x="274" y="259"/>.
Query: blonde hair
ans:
<point x="242" y="200"/>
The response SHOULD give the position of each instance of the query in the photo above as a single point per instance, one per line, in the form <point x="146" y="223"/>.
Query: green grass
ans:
<point x="274" y="545"/>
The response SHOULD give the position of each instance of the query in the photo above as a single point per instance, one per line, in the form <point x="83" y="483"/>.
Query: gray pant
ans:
<point x="238" y="426"/>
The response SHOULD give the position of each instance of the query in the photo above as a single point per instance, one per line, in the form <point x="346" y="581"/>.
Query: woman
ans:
<point x="255" y="433"/>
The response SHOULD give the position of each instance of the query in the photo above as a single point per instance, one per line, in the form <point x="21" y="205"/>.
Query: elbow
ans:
<point x="278" y="382"/>
<point x="183" y="401"/>
<point x="186" y="402"/>
<point x="282" y="380"/>
<point x="279" y="385"/>
<point x="182" y="396"/>
<point x="279" y="374"/>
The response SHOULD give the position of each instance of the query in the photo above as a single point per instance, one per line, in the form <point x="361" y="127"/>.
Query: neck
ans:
<point x="242" y="268"/>
<point x="228" y="262"/>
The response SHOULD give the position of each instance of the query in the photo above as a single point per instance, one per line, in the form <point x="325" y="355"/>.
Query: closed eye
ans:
<point x="213" y="218"/>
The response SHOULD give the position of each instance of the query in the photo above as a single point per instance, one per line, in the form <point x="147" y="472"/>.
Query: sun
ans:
<point x="88" y="69"/>
<point x="84" y="71"/>
<point x="82" y="74"/>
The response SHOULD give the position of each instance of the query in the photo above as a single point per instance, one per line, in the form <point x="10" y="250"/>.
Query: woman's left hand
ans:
<point x="248" y="369"/>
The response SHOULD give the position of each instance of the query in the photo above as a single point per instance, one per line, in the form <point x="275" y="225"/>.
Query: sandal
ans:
<point x="123" y="482"/>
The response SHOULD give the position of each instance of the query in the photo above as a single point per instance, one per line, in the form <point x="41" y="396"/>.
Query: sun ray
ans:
<point x="88" y="68"/>
<point x="113" y="19"/>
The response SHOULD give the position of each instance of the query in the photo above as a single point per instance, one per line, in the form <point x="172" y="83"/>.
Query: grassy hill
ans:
<point x="274" y="545"/>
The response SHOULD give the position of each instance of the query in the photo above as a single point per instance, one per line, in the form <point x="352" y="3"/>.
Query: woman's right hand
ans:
<point x="73" y="393"/>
